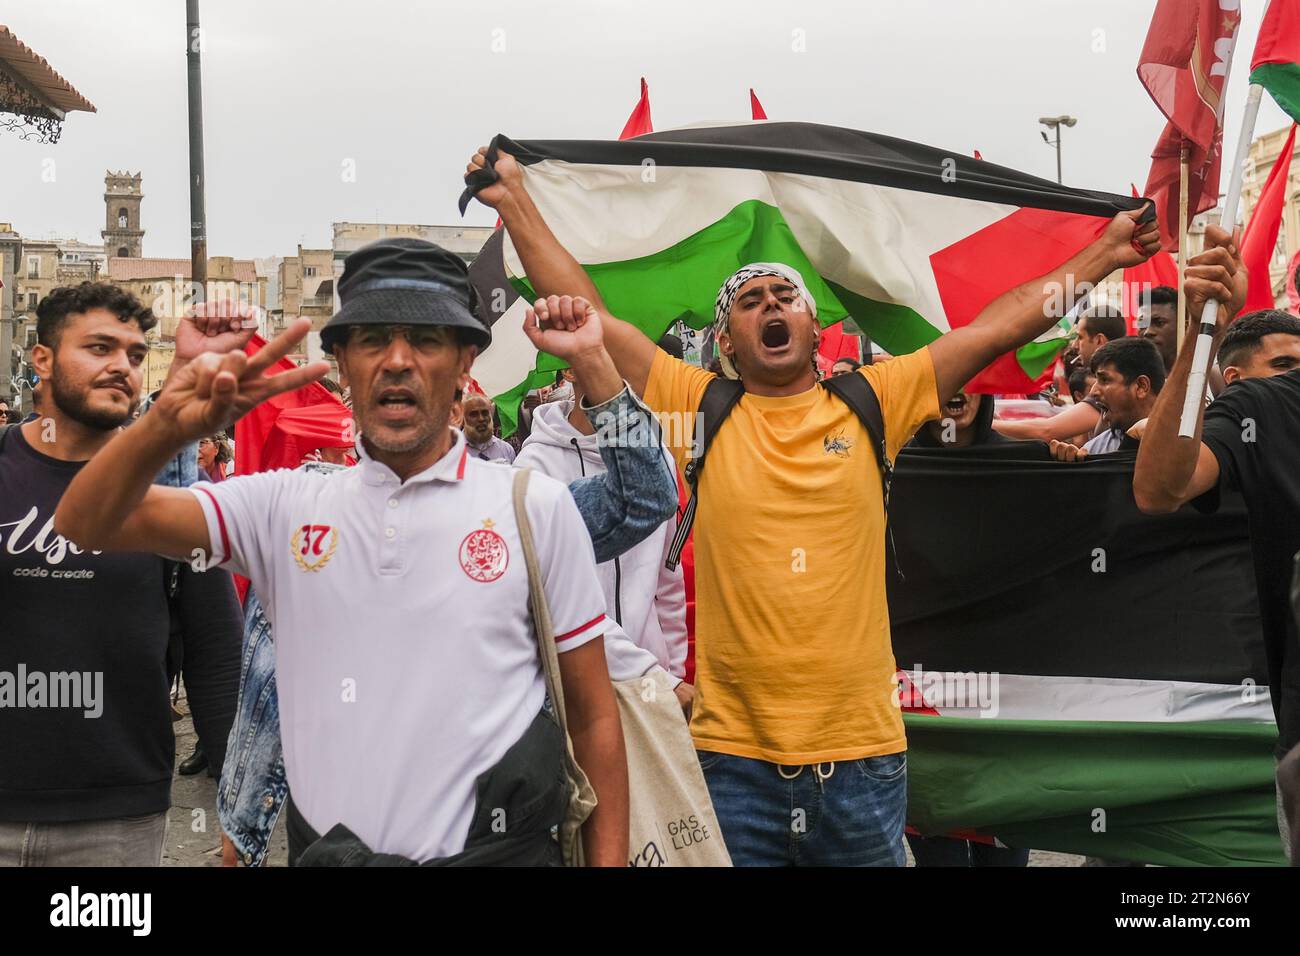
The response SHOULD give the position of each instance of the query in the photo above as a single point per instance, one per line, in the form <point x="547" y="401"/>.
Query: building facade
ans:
<point x="306" y="287"/>
<point x="165" y="285"/>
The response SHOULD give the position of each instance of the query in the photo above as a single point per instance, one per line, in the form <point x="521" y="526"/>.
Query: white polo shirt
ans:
<point x="405" y="655"/>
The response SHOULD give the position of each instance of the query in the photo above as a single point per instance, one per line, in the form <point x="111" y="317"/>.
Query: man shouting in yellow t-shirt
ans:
<point x="795" y="716"/>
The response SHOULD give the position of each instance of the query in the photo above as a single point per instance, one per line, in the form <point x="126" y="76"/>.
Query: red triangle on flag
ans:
<point x="974" y="271"/>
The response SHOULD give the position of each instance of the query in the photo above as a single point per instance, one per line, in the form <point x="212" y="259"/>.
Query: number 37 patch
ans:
<point x="313" y="545"/>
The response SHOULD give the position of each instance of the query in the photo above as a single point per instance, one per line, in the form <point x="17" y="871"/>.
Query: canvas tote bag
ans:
<point x="671" y="818"/>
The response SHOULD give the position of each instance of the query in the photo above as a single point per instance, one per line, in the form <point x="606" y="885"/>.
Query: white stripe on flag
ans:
<point x="510" y="357"/>
<point x="1031" y="697"/>
<point x="875" y="240"/>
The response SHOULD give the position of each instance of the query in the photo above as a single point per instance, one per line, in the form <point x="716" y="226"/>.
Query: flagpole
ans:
<point x="1209" y="318"/>
<point x="1183" y="154"/>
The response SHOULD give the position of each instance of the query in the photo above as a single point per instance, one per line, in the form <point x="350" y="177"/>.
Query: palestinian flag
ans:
<point x="1083" y="678"/>
<point x="908" y="240"/>
<point x="1276" y="63"/>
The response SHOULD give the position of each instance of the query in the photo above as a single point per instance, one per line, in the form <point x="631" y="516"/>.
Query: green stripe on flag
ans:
<point x="1035" y="357"/>
<point x="1282" y="80"/>
<point x="681" y="283"/>
<point x="895" y="328"/>
<point x="1169" y="793"/>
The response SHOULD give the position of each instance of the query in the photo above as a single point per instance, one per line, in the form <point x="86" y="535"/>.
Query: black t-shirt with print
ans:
<point x="1253" y="429"/>
<point x="87" y="632"/>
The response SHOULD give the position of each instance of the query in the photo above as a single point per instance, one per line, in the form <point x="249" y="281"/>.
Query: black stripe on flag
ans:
<point x="812" y="149"/>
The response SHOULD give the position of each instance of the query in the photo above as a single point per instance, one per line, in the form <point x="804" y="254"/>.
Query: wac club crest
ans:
<point x="484" y="555"/>
<point x="313" y="545"/>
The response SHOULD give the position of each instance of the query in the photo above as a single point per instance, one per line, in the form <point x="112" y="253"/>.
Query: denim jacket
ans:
<point x="620" y="508"/>
<point x="183" y="470"/>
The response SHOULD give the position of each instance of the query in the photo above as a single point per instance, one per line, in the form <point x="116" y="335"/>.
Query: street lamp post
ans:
<point x="1055" y="123"/>
<point x="198" y="216"/>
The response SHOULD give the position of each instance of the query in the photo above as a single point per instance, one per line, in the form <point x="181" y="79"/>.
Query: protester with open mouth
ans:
<point x="966" y="419"/>
<point x="411" y="721"/>
<point x="789" y="712"/>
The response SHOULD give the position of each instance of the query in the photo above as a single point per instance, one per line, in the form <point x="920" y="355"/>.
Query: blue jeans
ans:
<point x="849" y="813"/>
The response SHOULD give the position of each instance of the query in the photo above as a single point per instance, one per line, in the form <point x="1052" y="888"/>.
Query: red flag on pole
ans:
<point x="1260" y="238"/>
<point x="755" y="107"/>
<point x="1184" y="63"/>
<point x="1184" y="66"/>
<point x="639" y="121"/>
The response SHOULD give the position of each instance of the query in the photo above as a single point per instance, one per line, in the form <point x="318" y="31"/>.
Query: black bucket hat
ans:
<point x="405" y="282"/>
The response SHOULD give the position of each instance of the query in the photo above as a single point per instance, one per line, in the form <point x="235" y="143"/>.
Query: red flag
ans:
<point x="639" y="121"/>
<point x="835" y="345"/>
<point x="1261" y="232"/>
<point x="755" y="107"/>
<point x="1162" y="182"/>
<point x="977" y="154"/>
<point x="1184" y="65"/>
<point x="258" y="446"/>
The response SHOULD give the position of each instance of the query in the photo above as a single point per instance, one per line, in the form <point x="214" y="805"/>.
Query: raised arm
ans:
<point x="1027" y="311"/>
<point x="1171" y="470"/>
<point x="550" y="268"/>
<point x="112" y="504"/>
<point x="637" y="492"/>
<point x="1076" y="420"/>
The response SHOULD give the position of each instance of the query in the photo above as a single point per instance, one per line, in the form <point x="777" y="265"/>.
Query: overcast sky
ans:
<point x="293" y="90"/>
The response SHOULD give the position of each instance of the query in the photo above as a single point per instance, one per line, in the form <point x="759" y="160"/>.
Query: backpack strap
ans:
<point x="720" y="397"/>
<point x="856" y="392"/>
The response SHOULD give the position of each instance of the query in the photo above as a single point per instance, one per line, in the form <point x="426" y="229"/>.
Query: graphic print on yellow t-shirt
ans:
<point x="793" y="657"/>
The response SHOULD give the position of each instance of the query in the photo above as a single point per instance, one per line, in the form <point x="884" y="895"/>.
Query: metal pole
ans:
<point x="1058" y="155"/>
<point x="1195" y="396"/>
<point x="198" y="217"/>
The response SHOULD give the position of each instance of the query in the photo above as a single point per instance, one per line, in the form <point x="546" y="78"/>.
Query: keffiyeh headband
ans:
<point x="727" y="298"/>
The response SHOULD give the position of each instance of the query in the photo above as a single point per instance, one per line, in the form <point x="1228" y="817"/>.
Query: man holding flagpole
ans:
<point x="1246" y="441"/>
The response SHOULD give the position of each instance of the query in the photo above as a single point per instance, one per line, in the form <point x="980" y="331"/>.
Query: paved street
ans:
<point x="187" y="846"/>
<point x="195" y="840"/>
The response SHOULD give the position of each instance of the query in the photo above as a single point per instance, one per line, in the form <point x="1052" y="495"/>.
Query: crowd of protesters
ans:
<point x="380" y="687"/>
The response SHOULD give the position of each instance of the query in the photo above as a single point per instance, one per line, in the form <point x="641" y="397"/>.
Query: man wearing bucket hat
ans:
<point x="796" y="719"/>
<point x="395" y="729"/>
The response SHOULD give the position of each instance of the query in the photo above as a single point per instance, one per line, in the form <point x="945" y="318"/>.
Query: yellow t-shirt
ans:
<point x="793" y="657"/>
